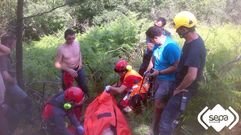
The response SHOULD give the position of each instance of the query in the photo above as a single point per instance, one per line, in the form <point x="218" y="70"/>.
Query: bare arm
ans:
<point x="149" y="46"/>
<point x="118" y="90"/>
<point x="80" y="59"/>
<point x="168" y="70"/>
<point x="188" y="80"/>
<point x="150" y="66"/>
<point x="8" y="77"/>
<point x="117" y="84"/>
<point x="4" y="50"/>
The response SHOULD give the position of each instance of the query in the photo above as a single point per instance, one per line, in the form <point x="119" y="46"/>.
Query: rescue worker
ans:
<point x="128" y="78"/>
<point x="189" y="70"/>
<point x="60" y="106"/>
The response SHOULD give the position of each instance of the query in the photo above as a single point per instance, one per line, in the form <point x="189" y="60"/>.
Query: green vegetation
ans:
<point x="82" y="14"/>
<point x="103" y="45"/>
<point x="113" y="29"/>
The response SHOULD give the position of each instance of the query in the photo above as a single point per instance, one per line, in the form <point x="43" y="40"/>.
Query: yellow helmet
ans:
<point x="184" y="18"/>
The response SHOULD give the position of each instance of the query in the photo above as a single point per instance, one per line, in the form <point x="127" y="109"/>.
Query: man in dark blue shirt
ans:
<point x="189" y="70"/>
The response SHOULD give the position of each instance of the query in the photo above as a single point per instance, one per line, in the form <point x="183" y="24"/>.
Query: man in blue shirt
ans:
<point x="189" y="71"/>
<point x="164" y="62"/>
<point x="160" y="22"/>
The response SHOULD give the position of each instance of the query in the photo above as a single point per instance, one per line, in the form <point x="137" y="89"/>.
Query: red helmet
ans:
<point x="74" y="95"/>
<point x="120" y="66"/>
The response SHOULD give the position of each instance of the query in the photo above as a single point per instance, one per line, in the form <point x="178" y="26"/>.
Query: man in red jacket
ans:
<point x="128" y="79"/>
<point x="61" y="105"/>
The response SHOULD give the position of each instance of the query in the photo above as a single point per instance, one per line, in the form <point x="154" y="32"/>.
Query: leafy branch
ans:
<point x="40" y="14"/>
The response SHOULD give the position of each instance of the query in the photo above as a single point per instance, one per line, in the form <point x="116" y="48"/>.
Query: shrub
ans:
<point x="103" y="45"/>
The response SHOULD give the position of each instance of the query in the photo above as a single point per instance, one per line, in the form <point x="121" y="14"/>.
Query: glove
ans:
<point x="107" y="88"/>
<point x="80" y="130"/>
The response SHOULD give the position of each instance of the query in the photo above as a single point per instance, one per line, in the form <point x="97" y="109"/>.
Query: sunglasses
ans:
<point x="70" y="38"/>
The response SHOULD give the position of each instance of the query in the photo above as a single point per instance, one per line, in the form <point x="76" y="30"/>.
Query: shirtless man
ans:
<point x="3" y="51"/>
<point x="3" y="126"/>
<point x="69" y="60"/>
<point x="17" y="105"/>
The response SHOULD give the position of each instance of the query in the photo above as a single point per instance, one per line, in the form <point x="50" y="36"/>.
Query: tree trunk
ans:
<point x="19" y="48"/>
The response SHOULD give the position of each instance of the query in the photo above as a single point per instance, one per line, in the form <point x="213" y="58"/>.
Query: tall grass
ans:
<point x="103" y="45"/>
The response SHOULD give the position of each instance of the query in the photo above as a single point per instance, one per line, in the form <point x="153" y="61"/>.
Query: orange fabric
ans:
<point x="103" y="113"/>
<point x="132" y="72"/>
<point x="131" y="78"/>
<point x="141" y="87"/>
